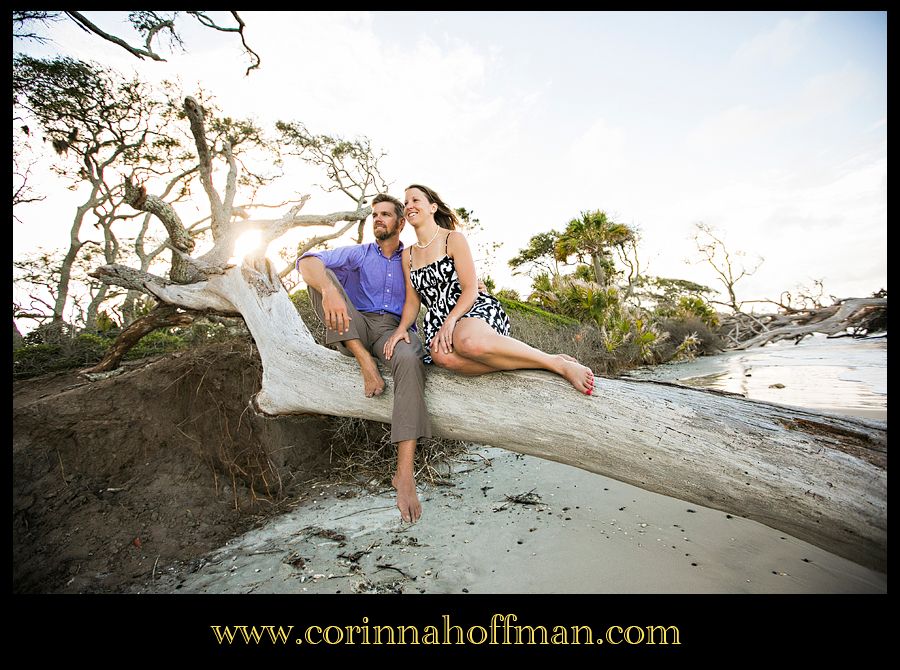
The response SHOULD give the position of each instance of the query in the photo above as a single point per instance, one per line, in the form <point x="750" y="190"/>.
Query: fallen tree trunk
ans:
<point x="830" y="320"/>
<point x="818" y="477"/>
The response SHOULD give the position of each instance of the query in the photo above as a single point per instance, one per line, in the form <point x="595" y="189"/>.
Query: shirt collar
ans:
<point x="396" y="253"/>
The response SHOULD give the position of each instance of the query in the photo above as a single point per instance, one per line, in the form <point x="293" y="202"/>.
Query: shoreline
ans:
<point x="849" y="377"/>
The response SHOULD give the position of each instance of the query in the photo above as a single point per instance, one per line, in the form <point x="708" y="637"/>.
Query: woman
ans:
<point x="465" y="331"/>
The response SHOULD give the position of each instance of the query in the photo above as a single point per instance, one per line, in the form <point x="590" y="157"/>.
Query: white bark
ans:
<point x="834" y="324"/>
<point x="821" y="478"/>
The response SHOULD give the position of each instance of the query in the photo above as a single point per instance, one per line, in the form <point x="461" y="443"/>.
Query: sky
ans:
<point x="770" y="127"/>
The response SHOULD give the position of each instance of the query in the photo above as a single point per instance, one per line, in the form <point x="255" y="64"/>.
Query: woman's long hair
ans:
<point x="444" y="216"/>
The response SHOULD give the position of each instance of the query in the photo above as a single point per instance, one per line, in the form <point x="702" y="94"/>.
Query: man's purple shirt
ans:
<point x="372" y="282"/>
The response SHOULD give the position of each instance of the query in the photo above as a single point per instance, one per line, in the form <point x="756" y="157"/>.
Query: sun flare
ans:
<point x="247" y="243"/>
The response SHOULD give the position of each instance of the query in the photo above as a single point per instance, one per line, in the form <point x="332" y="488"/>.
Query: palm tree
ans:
<point x="593" y="236"/>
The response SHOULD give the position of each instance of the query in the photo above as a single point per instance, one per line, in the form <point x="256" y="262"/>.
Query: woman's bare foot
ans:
<point x="579" y="376"/>
<point x="566" y="357"/>
<point x="407" y="498"/>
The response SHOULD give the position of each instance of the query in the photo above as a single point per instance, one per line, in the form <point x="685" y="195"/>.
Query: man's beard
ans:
<point x="384" y="233"/>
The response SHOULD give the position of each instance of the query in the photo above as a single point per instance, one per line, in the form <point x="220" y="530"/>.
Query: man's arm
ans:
<point x="333" y="305"/>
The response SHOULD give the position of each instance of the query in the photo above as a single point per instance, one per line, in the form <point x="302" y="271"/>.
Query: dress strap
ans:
<point x="447" y="244"/>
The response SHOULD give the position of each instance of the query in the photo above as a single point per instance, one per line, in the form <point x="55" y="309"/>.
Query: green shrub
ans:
<point x="680" y="330"/>
<point x="508" y="294"/>
<point x="89" y="347"/>
<point x="37" y="359"/>
<point x="517" y="306"/>
<point x="157" y="342"/>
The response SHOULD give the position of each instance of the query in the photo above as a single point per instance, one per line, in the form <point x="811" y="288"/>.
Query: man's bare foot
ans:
<point x="372" y="379"/>
<point x="579" y="376"/>
<point x="407" y="498"/>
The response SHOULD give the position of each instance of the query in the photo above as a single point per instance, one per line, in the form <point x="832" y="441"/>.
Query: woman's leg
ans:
<point x="463" y="366"/>
<point x="475" y="340"/>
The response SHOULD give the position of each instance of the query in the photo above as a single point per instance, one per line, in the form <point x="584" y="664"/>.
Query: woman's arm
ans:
<point x="411" y="304"/>
<point x="459" y="251"/>
<point x="410" y="310"/>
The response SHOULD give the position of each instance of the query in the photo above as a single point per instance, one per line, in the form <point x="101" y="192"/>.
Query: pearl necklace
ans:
<point x="423" y="246"/>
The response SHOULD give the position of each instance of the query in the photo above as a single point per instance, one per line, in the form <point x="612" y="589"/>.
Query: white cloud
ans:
<point x="735" y="127"/>
<point x="828" y="92"/>
<point x="779" y="45"/>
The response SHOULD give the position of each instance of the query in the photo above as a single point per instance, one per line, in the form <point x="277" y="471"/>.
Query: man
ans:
<point x="358" y="292"/>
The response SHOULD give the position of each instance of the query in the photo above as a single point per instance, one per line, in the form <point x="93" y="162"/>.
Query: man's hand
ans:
<point x="335" y="309"/>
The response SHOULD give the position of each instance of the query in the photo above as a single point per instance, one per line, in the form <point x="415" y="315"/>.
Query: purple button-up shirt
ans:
<point x="372" y="282"/>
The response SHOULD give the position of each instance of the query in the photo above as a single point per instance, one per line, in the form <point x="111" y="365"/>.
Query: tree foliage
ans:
<point x="591" y="238"/>
<point x="538" y="257"/>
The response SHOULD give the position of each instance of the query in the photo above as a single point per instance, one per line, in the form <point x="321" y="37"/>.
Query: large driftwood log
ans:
<point x="818" y="477"/>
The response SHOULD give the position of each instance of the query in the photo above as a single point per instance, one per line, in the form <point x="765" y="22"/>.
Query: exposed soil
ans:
<point x="117" y="478"/>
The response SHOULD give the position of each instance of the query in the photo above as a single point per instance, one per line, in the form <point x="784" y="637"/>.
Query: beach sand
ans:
<point x="585" y="534"/>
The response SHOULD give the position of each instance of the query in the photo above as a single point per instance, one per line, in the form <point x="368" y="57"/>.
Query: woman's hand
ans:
<point x="395" y="337"/>
<point x="443" y="339"/>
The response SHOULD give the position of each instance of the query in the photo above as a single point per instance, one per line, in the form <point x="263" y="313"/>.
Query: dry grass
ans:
<point x="583" y="341"/>
<point x="362" y="453"/>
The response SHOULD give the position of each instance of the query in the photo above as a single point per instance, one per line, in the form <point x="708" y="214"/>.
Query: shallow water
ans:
<point x="842" y="376"/>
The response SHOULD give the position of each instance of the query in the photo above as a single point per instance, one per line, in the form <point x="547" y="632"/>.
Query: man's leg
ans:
<point x="351" y="343"/>
<point x="410" y="417"/>
<point x="404" y="481"/>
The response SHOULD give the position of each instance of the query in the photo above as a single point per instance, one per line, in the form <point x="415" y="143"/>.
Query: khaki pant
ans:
<point x="410" y="416"/>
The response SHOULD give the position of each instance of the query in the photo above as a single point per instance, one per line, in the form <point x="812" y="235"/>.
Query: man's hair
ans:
<point x="384" y="197"/>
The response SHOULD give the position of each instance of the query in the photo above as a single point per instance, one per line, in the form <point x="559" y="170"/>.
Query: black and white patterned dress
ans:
<point x="438" y="287"/>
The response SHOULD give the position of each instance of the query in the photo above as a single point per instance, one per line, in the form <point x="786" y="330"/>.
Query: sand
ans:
<point x="585" y="534"/>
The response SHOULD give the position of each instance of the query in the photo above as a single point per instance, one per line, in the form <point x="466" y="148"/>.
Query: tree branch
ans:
<point x="312" y="243"/>
<point x="87" y="26"/>
<point x="209" y="23"/>
<point x="198" y="128"/>
<point x="188" y="296"/>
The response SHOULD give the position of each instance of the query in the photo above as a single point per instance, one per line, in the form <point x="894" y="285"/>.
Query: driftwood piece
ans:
<point x="832" y="320"/>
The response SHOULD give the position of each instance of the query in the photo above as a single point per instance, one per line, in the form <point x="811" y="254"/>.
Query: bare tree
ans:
<point x="628" y="255"/>
<point x="23" y="193"/>
<point x="727" y="265"/>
